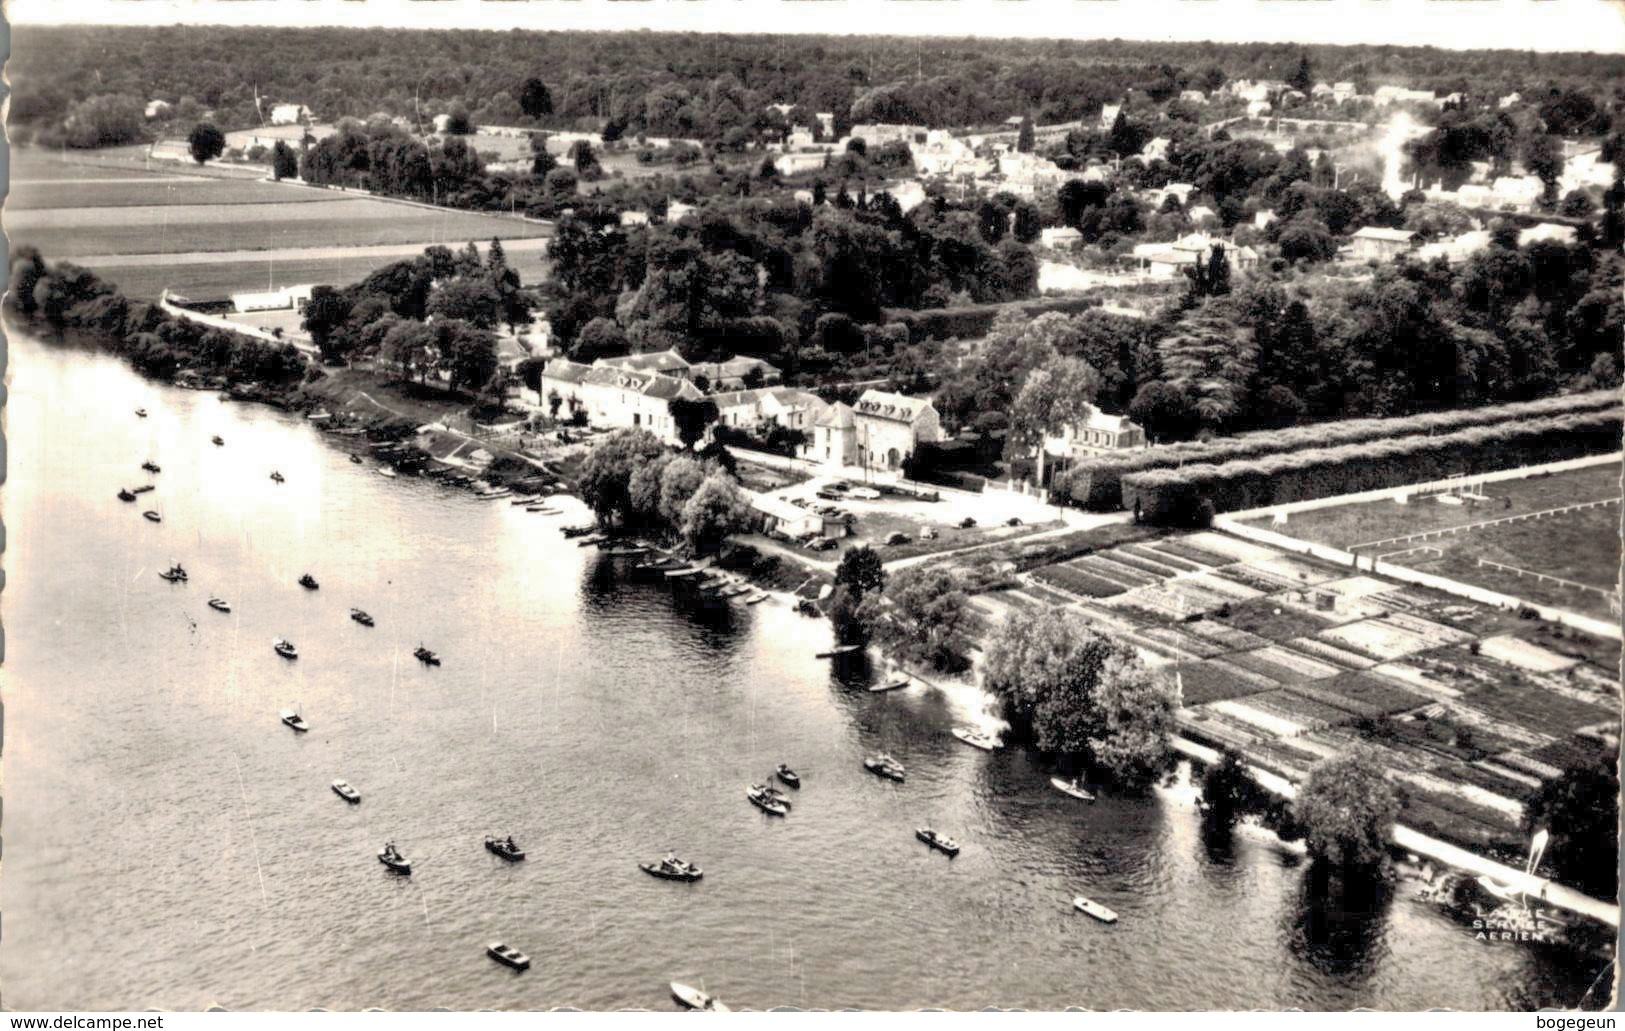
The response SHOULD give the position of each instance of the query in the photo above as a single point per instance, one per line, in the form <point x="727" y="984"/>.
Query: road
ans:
<point x="383" y="250"/>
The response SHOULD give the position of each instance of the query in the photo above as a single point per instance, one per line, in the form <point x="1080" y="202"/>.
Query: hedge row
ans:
<point x="971" y="323"/>
<point x="1188" y="496"/>
<point x="1095" y="483"/>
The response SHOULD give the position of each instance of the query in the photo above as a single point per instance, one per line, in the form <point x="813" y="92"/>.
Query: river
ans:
<point x="169" y="844"/>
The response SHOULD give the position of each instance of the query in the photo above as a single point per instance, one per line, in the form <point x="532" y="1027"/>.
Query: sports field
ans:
<point x="1563" y="525"/>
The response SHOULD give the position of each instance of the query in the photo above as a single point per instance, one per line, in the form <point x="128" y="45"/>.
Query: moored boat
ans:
<point x="838" y="650"/>
<point x="894" y="682"/>
<point x="425" y="656"/>
<point x="150" y="466"/>
<point x="141" y="413"/>
<point x="361" y="617"/>
<point x="291" y="718"/>
<point x="284" y="647"/>
<point x="505" y="847"/>
<point x="577" y="531"/>
<point x="883" y="765"/>
<point x="1092" y="908"/>
<point x="756" y="597"/>
<point x="787" y="775"/>
<point x="941" y="842"/>
<point x="761" y="799"/>
<point x="125" y="494"/>
<point x="385" y="470"/>
<point x="355" y="460"/>
<point x="391" y="857"/>
<point x="220" y="604"/>
<point x="151" y="516"/>
<point x="346" y="792"/>
<point x="1072" y="787"/>
<point x="508" y="956"/>
<point x="695" y="999"/>
<point x="175" y="574"/>
<point x="218" y="440"/>
<point x="976" y="738"/>
<point x="144" y="488"/>
<point x="276" y="477"/>
<point x="672" y="869"/>
<point x="308" y="582"/>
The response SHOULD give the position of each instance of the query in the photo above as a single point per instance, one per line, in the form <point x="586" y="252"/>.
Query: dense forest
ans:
<point x="699" y="86"/>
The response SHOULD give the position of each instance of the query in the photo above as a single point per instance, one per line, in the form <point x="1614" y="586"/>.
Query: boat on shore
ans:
<point x="941" y="842"/>
<point x="577" y="531"/>
<point x="391" y="857"/>
<point x="151" y="516"/>
<point x="883" y="765"/>
<point x="125" y="494"/>
<point x="1072" y="787"/>
<point x="220" y="604"/>
<point x="672" y="869"/>
<point x="504" y="847"/>
<point x="1092" y="908"/>
<point x="591" y="539"/>
<point x="361" y="617"/>
<point x="385" y="470"/>
<point x="150" y="466"/>
<point x="838" y="651"/>
<point x="894" y="682"/>
<point x="425" y="656"/>
<point x="346" y="792"/>
<point x="291" y="718"/>
<point x="763" y="800"/>
<point x="786" y="774"/>
<point x="695" y="999"/>
<point x="508" y="956"/>
<point x="308" y="582"/>
<point x="977" y="738"/>
<point x="543" y="509"/>
<point x="284" y="647"/>
<point x="756" y="597"/>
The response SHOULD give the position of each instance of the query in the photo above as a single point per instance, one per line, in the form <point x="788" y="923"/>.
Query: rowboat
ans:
<point x="942" y="843"/>
<point x="884" y="766"/>
<point x="152" y="517"/>
<point x="1071" y="787"/>
<point x="766" y="802"/>
<point x="840" y="649"/>
<point x="1092" y="908"/>
<point x="508" y="956"/>
<point x="505" y="848"/>
<point x="294" y="720"/>
<point x="346" y="792"/>
<point x="976" y="738"/>
<point x="896" y="682"/>
<point x="391" y="857"/>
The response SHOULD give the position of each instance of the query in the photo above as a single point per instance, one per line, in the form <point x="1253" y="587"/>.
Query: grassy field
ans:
<point x="1582" y="546"/>
<point x="129" y="190"/>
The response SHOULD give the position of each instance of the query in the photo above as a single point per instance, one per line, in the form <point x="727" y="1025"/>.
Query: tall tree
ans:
<point x="1024" y="136"/>
<point x="1581" y="810"/>
<point x="927" y="609"/>
<point x="1210" y="359"/>
<point x="714" y="511"/>
<point x="534" y="98"/>
<point x="205" y="142"/>
<point x="1347" y="809"/>
<point x="1303" y="76"/>
<point x="1057" y="394"/>
<point x="284" y="162"/>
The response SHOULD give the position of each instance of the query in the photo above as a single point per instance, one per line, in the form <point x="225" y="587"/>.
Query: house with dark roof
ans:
<point x="666" y="363"/>
<point x="616" y="398"/>
<point x="891" y="426"/>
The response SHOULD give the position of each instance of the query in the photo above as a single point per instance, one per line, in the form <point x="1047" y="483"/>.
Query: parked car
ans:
<point x="897" y="537"/>
<point x="866" y="493"/>
<point x="829" y="495"/>
<point x="822" y="544"/>
<point x="838" y="485"/>
<point x="1013" y="521"/>
<point x="966" y="523"/>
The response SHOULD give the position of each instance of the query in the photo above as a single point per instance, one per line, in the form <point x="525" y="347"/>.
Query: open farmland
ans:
<point x="1488" y="542"/>
<point x="137" y="189"/>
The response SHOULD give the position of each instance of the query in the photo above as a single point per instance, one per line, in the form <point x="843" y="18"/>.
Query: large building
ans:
<point x="615" y="398"/>
<point x="890" y="427"/>
<point x="1377" y="243"/>
<point x="1098" y="434"/>
<point x="834" y="437"/>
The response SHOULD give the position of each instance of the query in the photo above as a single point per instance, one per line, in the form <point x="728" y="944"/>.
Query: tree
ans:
<point x="1226" y="789"/>
<point x="284" y="162"/>
<point x="1210" y="359"/>
<point x="541" y="160"/>
<point x="468" y="353"/>
<point x="928" y="606"/>
<point x="205" y="142"/>
<point x="599" y="338"/>
<point x="534" y="98"/>
<point x="325" y="312"/>
<point x="607" y="471"/>
<point x="691" y="417"/>
<point x="1543" y="156"/>
<point x="409" y="346"/>
<point x="1581" y="810"/>
<point x="679" y="479"/>
<point x="853" y="614"/>
<point x="1024" y="137"/>
<point x="105" y="120"/>
<point x="1347" y="809"/>
<point x="1058" y="394"/>
<point x="472" y="299"/>
<point x="714" y="511"/>
<point x="1302" y="77"/>
<point x="585" y="160"/>
<point x="861" y="571"/>
<point x="457" y="122"/>
<point x="1068" y="688"/>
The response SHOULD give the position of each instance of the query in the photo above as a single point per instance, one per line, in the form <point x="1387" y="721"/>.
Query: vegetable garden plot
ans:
<point x="1103" y="566"/>
<point x="1188" y="644"/>
<point x="1272" y="723"/>
<point x="1068" y="578"/>
<point x="1376" y="637"/>
<point x="1361" y="694"/>
<point x="1214" y="681"/>
<point x="1437" y="635"/>
<point x="1266" y="618"/>
<point x="1184" y="549"/>
<point x="1233" y="548"/>
<point x="1571" y="750"/>
<point x="1533" y="708"/>
<point x="1226" y="637"/>
<point x="1516" y="651"/>
<point x="1162" y="558"/>
<point x="1331" y="653"/>
<point x="1150" y="567"/>
<point x="1298" y="571"/>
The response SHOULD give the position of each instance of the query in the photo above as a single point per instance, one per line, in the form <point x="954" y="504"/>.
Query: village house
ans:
<point x="159" y="108"/>
<point x="731" y="374"/>
<point x="1155" y="150"/>
<point x="676" y="210"/>
<point x="826" y="123"/>
<point x="1342" y="91"/>
<point x="1097" y="434"/>
<point x="790" y="408"/>
<point x="834" y="437"/>
<point x="1379" y="243"/>
<point x="1060" y="237"/>
<point x="795" y="164"/>
<point x="1386" y="95"/>
<point x="1108" y="116"/>
<point x="290" y="114"/>
<point x="666" y="363"/>
<point x="1508" y="100"/>
<point x="890" y="427"/>
<point x="1193" y="96"/>
<point x="779" y="518"/>
<point x="879" y="134"/>
<point x="634" y="218"/>
<point x="1168" y="260"/>
<point x="615" y="398"/>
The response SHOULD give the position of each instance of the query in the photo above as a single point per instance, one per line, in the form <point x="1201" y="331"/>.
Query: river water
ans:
<point x="169" y="844"/>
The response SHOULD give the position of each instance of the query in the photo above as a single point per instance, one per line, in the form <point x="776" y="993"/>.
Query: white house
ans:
<point x="780" y="517"/>
<point x="1108" y="115"/>
<point x="1098" y="433"/>
<point x="634" y="218"/>
<point x="1508" y="100"/>
<point x="1547" y="231"/>
<point x="1342" y="91"/>
<point x="731" y="374"/>
<point x="834" y="437"/>
<point x="1167" y="260"/>
<point x="159" y="108"/>
<point x="1386" y="95"/>
<point x="1193" y="96"/>
<point x="289" y="298"/>
<point x="665" y="363"/>
<point x="826" y="123"/>
<point x="292" y="114"/>
<point x="1378" y="243"/>
<point x="618" y="398"/>
<point x="1155" y="150"/>
<point x="676" y="209"/>
<point x="1521" y="191"/>
<point x="1257" y="107"/>
<point x="1060" y="237"/>
<point x="891" y="426"/>
<point x="795" y="164"/>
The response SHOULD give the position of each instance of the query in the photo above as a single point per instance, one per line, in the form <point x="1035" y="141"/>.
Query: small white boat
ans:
<point x="385" y="470"/>
<point x="508" y="956"/>
<point x="695" y="999"/>
<point x="941" y="842"/>
<point x="391" y="857"/>
<point x="756" y="598"/>
<point x="1092" y="908"/>
<point x="293" y="719"/>
<point x="895" y="682"/>
<point x="141" y="413"/>
<point x="1071" y="787"/>
<point x="976" y="738"/>
<point x="346" y="792"/>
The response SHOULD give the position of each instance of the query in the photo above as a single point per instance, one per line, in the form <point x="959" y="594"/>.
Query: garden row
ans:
<point x="1190" y="495"/>
<point x="1096" y="484"/>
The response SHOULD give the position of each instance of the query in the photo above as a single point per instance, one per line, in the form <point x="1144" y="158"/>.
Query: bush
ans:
<point x="1187" y="496"/>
